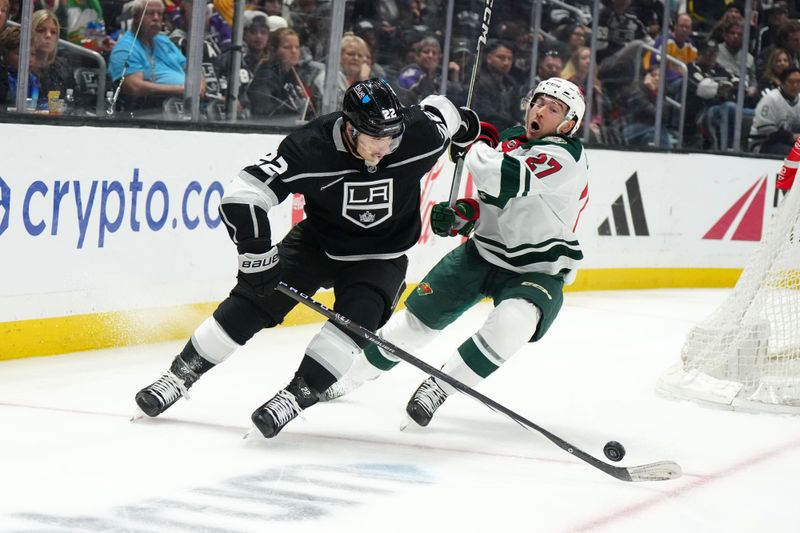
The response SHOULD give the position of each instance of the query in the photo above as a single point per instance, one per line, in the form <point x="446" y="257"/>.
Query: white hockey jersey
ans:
<point x="531" y="195"/>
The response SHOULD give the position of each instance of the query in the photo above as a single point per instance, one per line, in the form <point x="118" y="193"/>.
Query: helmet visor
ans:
<point x="378" y="145"/>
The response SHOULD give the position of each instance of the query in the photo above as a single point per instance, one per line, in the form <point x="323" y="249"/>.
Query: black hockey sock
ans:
<point x="315" y="375"/>
<point x="190" y="365"/>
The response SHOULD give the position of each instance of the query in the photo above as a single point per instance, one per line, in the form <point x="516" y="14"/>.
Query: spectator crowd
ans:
<point x="281" y="79"/>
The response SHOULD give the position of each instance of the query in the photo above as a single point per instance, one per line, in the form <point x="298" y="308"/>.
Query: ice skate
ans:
<point x="284" y="407"/>
<point x="425" y="401"/>
<point x="173" y="385"/>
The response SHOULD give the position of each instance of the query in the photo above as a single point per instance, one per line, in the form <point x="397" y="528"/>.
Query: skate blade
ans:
<point x="406" y="422"/>
<point x="250" y="432"/>
<point x="138" y="415"/>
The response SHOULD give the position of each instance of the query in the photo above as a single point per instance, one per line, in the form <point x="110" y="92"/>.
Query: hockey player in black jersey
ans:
<point x="359" y="170"/>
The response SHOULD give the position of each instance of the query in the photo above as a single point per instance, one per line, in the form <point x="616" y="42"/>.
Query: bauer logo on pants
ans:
<point x="368" y="204"/>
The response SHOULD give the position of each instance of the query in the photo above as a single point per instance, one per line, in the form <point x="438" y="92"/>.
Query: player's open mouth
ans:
<point x="534" y="126"/>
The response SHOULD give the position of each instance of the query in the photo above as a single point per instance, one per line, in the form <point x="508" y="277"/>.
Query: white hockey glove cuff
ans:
<point x="260" y="273"/>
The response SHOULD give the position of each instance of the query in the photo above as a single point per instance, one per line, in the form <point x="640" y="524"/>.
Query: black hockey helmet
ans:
<point x="374" y="109"/>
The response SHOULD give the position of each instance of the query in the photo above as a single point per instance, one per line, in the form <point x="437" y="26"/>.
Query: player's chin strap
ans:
<point x="567" y="120"/>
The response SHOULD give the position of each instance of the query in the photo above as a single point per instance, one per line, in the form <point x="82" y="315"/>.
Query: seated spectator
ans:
<point x="152" y="66"/>
<point x="352" y="63"/>
<point x="788" y="38"/>
<point x="571" y="36"/>
<point x="424" y="77"/>
<point x="282" y="87"/>
<point x="679" y="45"/>
<point x="577" y="71"/>
<point x="729" y="53"/>
<point x="256" y="40"/>
<point x="733" y="13"/>
<point x="271" y="7"/>
<point x="777" y="62"/>
<point x="218" y="34"/>
<point x="549" y="66"/>
<point x="776" y="125"/>
<point x="496" y="97"/>
<point x="427" y="58"/>
<point x="639" y="128"/>
<point x="710" y="101"/>
<point x="5" y="8"/>
<point x="617" y="26"/>
<point x="47" y="72"/>
<point x="54" y="72"/>
<point x="214" y="77"/>
<point x="255" y="50"/>
<point x="9" y="65"/>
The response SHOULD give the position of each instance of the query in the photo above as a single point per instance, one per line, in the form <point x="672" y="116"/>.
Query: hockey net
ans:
<point x="746" y="354"/>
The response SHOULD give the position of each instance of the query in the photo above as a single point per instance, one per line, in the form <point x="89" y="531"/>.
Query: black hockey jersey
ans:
<point x="358" y="212"/>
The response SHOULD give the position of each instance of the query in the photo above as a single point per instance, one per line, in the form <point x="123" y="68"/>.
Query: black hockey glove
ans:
<point x="260" y="273"/>
<point x="449" y="221"/>
<point x="467" y="132"/>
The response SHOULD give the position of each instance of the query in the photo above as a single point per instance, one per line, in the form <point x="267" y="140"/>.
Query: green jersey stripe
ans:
<point x="532" y="246"/>
<point x="550" y="256"/>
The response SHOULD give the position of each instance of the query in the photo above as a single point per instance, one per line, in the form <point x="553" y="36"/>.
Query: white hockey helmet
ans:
<point x="566" y="92"/>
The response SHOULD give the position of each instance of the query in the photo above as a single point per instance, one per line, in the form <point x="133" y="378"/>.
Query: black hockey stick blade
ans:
<point x="659" y="471"/>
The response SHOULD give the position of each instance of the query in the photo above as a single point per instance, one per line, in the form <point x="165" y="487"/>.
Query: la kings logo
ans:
<point x="367" y="204"/>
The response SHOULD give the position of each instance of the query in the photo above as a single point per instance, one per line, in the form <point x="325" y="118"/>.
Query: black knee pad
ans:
<point x="367" y="306"/>
<point x="241" y="318"/>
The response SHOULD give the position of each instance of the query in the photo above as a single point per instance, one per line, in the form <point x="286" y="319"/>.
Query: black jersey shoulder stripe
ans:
<point x="416" y="158"/>
<point x="320" y="175"/>
<point x="338" y="141"/>
<point x="365" y="257"/>
<point x="271" y="199"/>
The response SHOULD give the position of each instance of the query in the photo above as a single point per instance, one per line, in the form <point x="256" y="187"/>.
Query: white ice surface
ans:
<point x="70" y="460"/>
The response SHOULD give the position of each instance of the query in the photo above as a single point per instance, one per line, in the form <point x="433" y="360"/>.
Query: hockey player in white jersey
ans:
<point x="532" y="188"/>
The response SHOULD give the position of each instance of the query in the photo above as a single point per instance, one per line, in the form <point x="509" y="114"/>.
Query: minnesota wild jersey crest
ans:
<point x="424" y="288"/>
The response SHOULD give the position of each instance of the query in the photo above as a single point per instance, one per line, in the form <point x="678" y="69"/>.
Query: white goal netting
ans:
<point x="746" y="354"/>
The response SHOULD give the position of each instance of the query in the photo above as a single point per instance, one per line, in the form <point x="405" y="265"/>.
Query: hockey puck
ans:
<point x="614" y="450"/>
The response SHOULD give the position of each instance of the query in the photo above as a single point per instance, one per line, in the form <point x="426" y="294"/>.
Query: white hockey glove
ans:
<point x="260" y="273"/>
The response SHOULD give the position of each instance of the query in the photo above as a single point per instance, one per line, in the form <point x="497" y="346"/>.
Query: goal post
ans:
<point x="746" y="354"/>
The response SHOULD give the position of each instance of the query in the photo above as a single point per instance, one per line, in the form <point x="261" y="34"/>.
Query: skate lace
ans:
<point x="430" y="396"/>
<point x="283" y="407"/>
<point x="169" y="387"/>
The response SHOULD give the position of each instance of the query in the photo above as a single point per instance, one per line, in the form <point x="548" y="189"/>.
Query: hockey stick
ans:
<point x="487" y="17"/>
<point x="658" y="471"/>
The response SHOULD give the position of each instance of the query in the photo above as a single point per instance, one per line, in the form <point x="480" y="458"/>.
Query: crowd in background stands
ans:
<point x="282" y="77"/>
